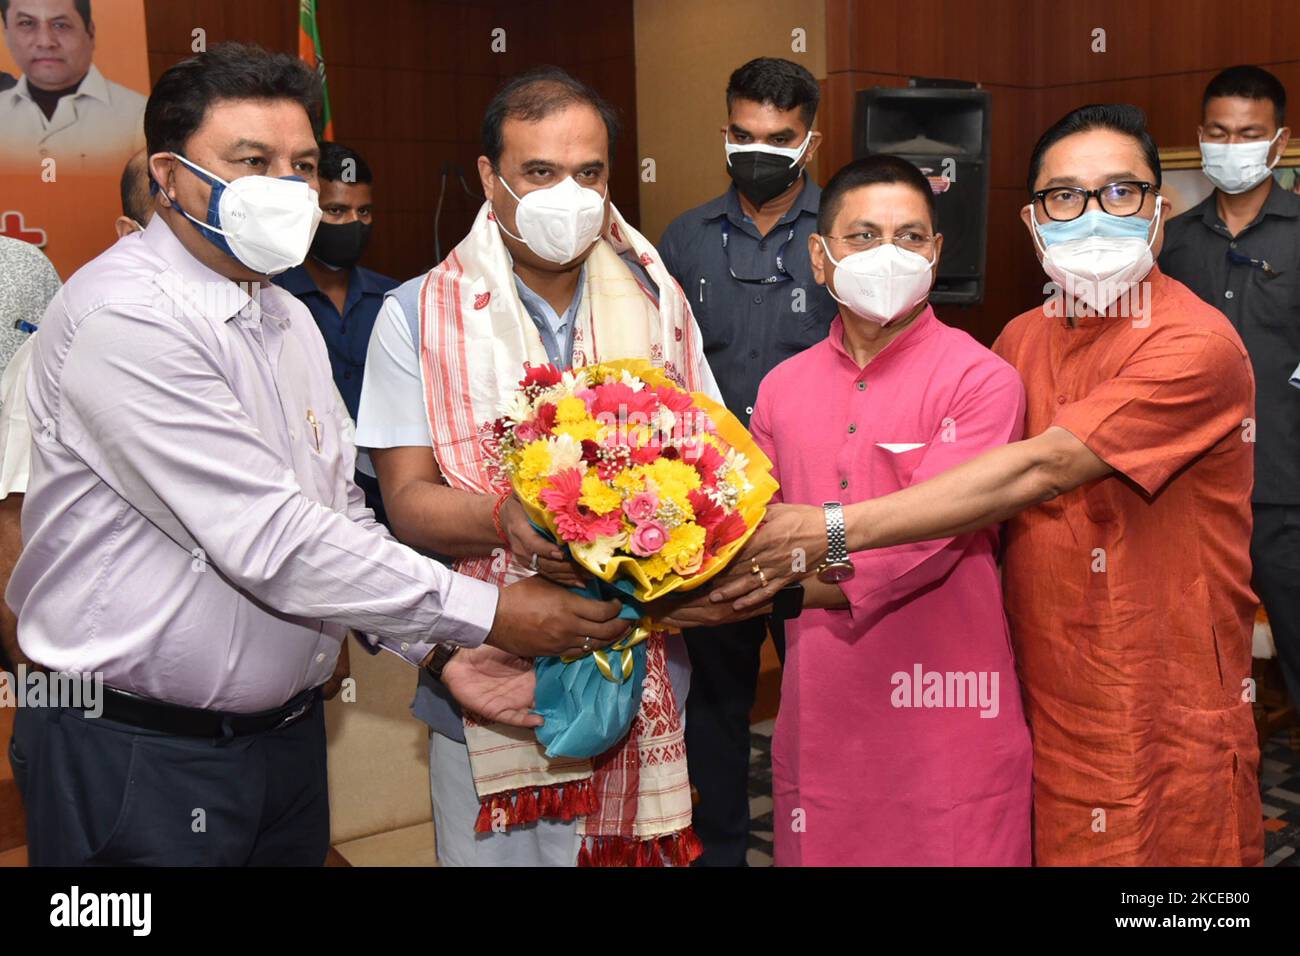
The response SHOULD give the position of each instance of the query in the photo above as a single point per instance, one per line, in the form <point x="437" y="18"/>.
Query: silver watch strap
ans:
<point x="837" y="551"/>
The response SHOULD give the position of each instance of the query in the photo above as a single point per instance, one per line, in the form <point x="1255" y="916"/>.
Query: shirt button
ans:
<point x="1232" y="245"/>
<point x="862" y="386"/>
<point x="1060" y="399"/>
<point x="753" y="353"/>
<point x="758" y="300"/>
<point x="405" y="647"/>
<point x="852" y="428"/>
<point x="749" y="409"/>
<point x="844" y="483"/>
<point x="1228" y="294"/>
<point x="320" y="658"/>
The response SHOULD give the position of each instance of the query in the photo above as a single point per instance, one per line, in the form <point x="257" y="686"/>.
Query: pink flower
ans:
<point x="641" y="507"/>
<point x="648" y="538"/>
<point x="574" y="521"/>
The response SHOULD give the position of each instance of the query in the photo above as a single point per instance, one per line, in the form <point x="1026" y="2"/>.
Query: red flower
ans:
<point x="708" y="513"/>
<point x="676" y="400"/>
<point x="541" y="375"/>
<point x="727" y="530"/>
<point x="618" y="400"/>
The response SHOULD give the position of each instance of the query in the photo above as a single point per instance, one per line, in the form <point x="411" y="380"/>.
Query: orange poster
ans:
<point x="74" y="76"/>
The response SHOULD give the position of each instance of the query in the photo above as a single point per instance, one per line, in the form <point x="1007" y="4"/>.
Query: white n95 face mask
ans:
<point x="558" y="222"/>
<point x="264" y="222"/>
<point x="1237" y="167"/>
<point x="1102" y="257"/>
<point x="880" y="284"/>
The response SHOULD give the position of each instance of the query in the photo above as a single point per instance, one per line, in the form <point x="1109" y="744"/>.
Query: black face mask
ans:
<point x="760" y="176"/>
<point x="340" y="244"/>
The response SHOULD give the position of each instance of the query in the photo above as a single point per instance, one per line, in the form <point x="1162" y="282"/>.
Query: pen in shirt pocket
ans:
<point x="701" y="291"/>
<point x="315" y="427"/>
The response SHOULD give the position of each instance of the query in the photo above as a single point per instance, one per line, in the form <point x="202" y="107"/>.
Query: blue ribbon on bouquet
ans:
<point x="588" y="703"/>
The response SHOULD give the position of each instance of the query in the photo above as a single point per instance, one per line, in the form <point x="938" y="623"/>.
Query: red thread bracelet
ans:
<point x="496" y="518"/>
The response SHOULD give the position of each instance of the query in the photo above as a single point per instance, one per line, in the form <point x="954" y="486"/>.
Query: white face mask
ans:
<point x="1236" y="167"/>
<point x="558" y="222"/>
<point x="1098" y="269"/>
<point x="880" y="284"/>
<point x="264" y="222"/>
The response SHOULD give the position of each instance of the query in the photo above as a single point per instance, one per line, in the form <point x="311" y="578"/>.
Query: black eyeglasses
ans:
<point x="1124" y="198"/>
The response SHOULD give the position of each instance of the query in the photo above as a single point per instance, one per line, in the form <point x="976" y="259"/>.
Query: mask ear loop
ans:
<point x="1278" y="157"/>
<point x="212" y="181"/>
<point x="1155" y="221"/>
<point x="1033" y="231"/>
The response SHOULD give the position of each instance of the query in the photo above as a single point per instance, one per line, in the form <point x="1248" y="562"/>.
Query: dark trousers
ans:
<point x="1275" y="553"/>
<point x="100" y="793"/>
<point x="724" y="676"/>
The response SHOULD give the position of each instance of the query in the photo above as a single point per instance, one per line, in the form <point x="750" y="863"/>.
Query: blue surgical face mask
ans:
<point x="1095" y="223"/>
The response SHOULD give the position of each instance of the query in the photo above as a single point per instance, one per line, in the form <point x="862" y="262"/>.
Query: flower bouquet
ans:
<point x="651" y="488"/>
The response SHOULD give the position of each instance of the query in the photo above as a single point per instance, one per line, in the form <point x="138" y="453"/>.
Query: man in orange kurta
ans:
<point x="1129" y="598"/>
<point x="1127" y="572"/>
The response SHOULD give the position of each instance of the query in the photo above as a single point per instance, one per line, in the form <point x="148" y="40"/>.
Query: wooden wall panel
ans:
<point x="409" y="80"/>
<point x="1036" y="58"/>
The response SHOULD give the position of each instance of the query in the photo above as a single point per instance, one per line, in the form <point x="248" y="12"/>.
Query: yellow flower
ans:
<point x="598" y="496"/>
<point x="656" y="566"/>
<point x="534" y="460"/>
<point x="570" y="410"/>
<point x="629" y="480"/>
<point x="529" y="489"/>
<point x="684" y="541"/>
<point x="580" y="430"/>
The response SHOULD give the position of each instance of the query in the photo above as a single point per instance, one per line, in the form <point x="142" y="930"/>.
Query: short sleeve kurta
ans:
<point x="1129" y="598"/>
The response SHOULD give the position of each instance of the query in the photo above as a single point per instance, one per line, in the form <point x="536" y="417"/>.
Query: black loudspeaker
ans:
<point x="945" y="133"/>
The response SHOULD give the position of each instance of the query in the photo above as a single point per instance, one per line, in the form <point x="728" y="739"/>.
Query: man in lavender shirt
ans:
<point x="192" y="533"/>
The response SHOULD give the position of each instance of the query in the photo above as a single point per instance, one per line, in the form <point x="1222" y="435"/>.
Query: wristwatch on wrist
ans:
<point x="837" y="567"/>
<point x="438" y="658"/>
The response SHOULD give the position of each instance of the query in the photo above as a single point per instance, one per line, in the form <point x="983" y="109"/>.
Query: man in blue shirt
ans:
<point x="344" y="298"/>
<point x="743" y="262"/>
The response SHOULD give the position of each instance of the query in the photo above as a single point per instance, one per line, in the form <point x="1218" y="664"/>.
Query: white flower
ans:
<point x="565" y="453"/>
<point x="665" y="420"/>
<point x="601" y="551"/>
<point x="517" y="408"/>
<point x="631" y="381"/>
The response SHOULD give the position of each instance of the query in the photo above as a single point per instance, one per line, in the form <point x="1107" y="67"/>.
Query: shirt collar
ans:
<point x="92" y="84"/>
<point x="198" y="290"/>
<point x="1278" y="202"/>
<point x="920" y="329"/>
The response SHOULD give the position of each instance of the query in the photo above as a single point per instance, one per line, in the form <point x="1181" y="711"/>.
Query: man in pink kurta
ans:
<point x="900" y="738"/>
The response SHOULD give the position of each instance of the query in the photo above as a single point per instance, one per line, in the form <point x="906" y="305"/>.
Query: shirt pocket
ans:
<point x="709" y="305"/>
<point x="802" y="329"/>
<point x="1278" y="298"/>
<point x="901" y="458"/>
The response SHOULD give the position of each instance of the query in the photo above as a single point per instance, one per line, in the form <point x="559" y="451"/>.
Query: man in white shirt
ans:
<point x="63" y="108"/>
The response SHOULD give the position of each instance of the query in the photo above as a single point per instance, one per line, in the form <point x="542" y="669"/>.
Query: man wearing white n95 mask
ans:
<point x="193" y="532"/>
<point x="549" y="274"/>
<point x="890" y="397"/>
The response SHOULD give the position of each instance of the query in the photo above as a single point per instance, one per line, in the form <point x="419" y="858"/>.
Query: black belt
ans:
<point x="159" y="716"/>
